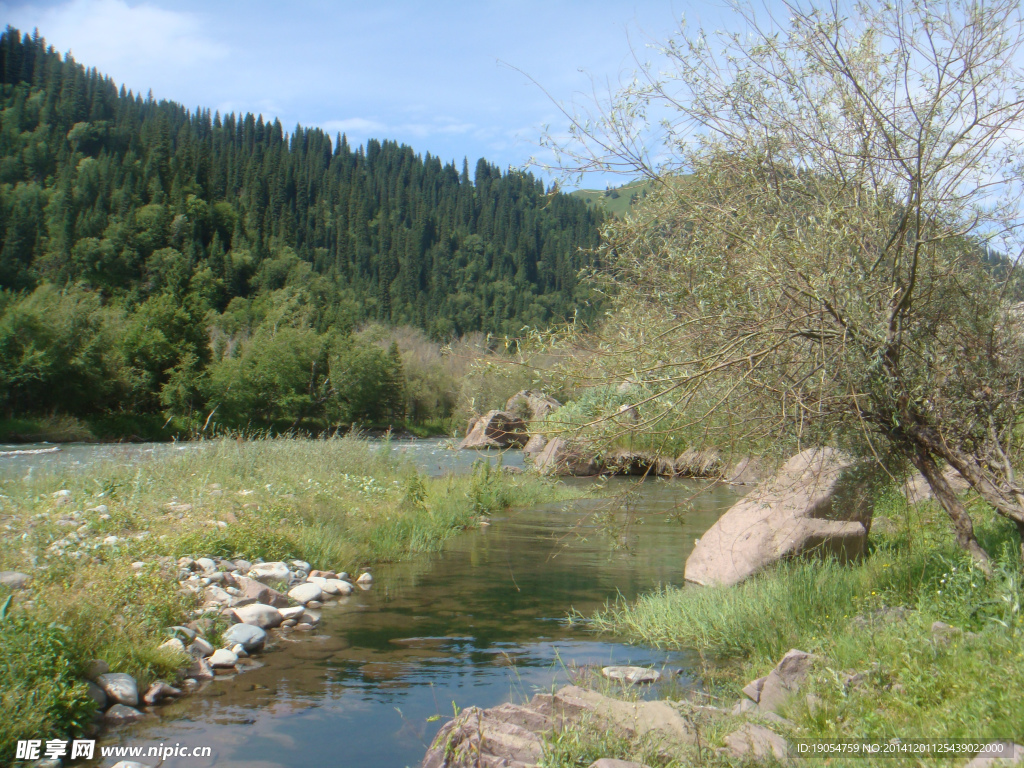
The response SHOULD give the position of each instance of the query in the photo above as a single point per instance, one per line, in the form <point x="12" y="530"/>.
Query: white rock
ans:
<point x="223" y="658"/>
<point x="270" y="572"/>
<point x="174" y="644"/>
<point x="293" y="613"/>
<point x="259" y="615"/>
<point x="303" y="593"/>
<point x="200" y="648"/>
<point x="632" y="674"/>
<point x="337" y="587"/>
<point x="120" y="688"/>
<point x="364" y="578"/>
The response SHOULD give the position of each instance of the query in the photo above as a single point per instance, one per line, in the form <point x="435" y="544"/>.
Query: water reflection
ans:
<point x="482" y="623"/>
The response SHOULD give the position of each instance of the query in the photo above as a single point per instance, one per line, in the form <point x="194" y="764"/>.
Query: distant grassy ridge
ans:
<point x="616" y="200"/>
<point x="337" y="503"/>
<point x="873" y="617"/>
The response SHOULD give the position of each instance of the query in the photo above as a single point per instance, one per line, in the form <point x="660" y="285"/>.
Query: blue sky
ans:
<point x="441" y="77"/>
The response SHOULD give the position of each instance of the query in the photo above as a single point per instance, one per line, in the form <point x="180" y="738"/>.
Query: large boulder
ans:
<point x="531" y="404"/>
<point x="259" y="615"/>
<point x="820" y="502"/>
<point x="560" y="457"/>
<point x="535" y="445"/>
<point x="496" y="429"/>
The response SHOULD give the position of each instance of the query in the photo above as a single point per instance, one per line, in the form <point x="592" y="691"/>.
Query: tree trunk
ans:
<point x="945" y="495"/>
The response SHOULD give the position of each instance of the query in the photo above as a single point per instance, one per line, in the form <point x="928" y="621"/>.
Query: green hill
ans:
<point x="157" y="260"/>
<point x="615" y="201"/>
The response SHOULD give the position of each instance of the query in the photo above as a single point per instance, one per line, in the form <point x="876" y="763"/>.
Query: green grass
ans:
<point x="971" y="687"/>
<point x="339" y="503"/>
<point x="618" y="205"/>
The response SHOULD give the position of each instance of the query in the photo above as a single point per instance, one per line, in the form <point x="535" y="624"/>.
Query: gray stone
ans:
<point x="743" y="705"/>
<point x="365" y="578"/>
<point x="338" y="587"/>
<point x="200" y="670"/>
<point x="251" y="637"/>
<point x="818" y="503"/>
<point x="206" y="564"/>
<point x="302" y="565"/>
<point x="561" y="457"/>
<point x="270" y="572"/>
<point x="223" y="658"/>
<point x="304" y="626"/>
<point x="159" y="691"/>
<point x="632" y="674"/>
<point x="121" y="713"/>
<point x="119" y="687"/>
<point x="251" y="588"/>
<point x="96" y="667"/>
<point x="96" y="694"/>
<point x="758" y="743"/>
<point x="174" y="645"/>
<point x="292" y="613"/>
<point x="785" y="680"/>
<point x="534" y="445"/>
<point x="259" y="615"/>
<point x="305" y="592"/>
<point x="496" y="429"/>
<point x="217" y="596"/>
<point x="14" y="579"/>
<point x="531" y="404"/>
<point x="200" y="648"/>
<point x="753" y="689"/>
<point x="242" y="566"/>
<point x="185" y="633"/>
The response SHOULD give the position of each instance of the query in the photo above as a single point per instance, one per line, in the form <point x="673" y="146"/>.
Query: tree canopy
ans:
<point x="817" y="263"/>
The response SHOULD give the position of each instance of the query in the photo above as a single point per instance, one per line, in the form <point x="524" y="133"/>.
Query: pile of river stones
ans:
<point x="254" y="598"/>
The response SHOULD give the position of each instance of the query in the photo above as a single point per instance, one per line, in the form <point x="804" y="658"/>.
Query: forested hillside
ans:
<point x="144" y="246"/>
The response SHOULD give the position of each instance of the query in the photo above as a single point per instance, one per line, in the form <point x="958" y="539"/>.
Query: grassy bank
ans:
<point x="155" y="428"/>
<point x="339" y="504"/>
<point x="874" y="617"/>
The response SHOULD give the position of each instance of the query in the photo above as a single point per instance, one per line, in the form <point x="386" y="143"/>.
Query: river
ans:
<point x="480" y="623"/>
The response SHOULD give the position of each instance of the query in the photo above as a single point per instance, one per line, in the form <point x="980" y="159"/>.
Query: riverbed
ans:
<point x="483" y="622"/>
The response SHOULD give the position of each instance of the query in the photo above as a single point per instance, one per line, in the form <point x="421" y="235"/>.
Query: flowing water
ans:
<point x="481" y="623"/>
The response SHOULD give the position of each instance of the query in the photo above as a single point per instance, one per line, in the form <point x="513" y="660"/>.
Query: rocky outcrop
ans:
<point x="818" y="502"/>
<point x="535" y="445"/>
<point x="775" y="689"/>
<point x="531" y="404"/>
<point x="561" y="457"/>
<point x="496" y="429"/>
<point x="511" y="736"/>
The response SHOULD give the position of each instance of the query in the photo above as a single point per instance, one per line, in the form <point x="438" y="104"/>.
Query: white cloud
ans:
<point x="141" y="45"/>
<point x="356" y="125"/>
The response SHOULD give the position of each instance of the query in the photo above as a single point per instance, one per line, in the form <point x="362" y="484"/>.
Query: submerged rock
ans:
<point x="632" y="674"/>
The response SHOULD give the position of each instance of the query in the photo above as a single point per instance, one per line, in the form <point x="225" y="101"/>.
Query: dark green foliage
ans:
<point x="159" y="260"/>
<point x="135" y="196"/>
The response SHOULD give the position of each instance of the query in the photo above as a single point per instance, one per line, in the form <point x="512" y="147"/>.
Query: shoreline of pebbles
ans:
<point x="255" y="598"/>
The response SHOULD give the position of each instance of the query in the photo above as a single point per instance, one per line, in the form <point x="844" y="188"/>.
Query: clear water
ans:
<point x="481" y="623"/>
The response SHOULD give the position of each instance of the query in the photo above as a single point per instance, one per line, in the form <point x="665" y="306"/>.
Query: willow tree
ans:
<point x="819" y="261"/>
